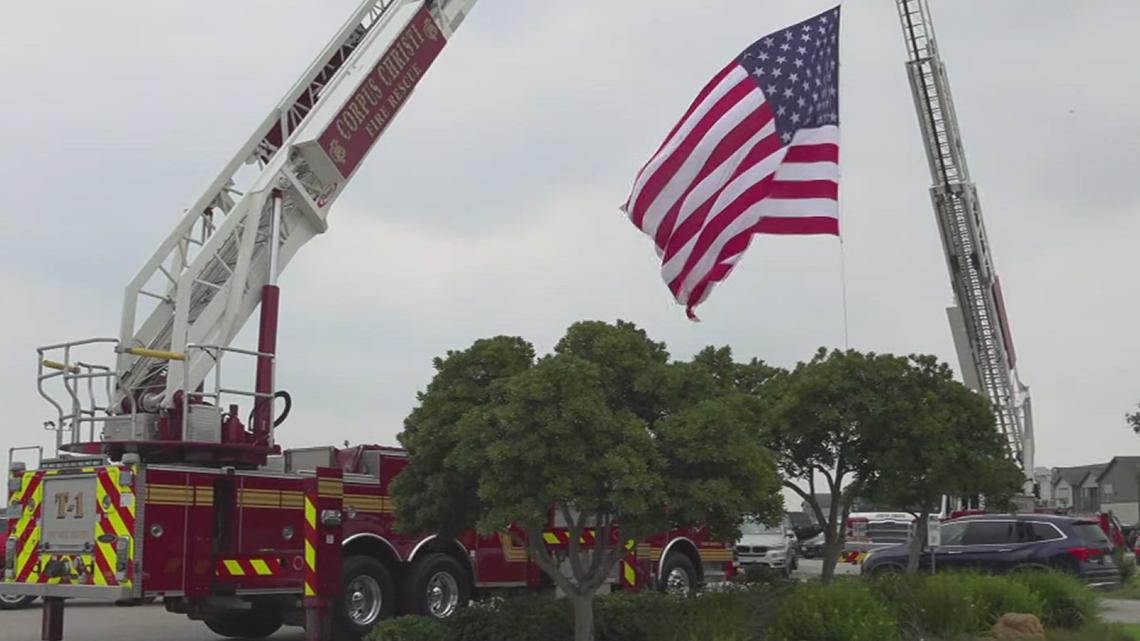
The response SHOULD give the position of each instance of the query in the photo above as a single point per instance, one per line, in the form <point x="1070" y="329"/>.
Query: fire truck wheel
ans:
<point x="678" y="576"/>
<point x="15" y="602"/>
<point x="252" y="624"/>
<point x="436" y="587"/>
<point x="368" y="596"/>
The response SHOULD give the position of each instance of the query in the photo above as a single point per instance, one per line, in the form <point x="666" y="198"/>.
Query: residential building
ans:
<point x="1119" y="488"/>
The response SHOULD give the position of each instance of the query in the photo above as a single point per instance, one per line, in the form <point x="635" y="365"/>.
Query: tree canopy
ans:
<point x="606" y="430"/>
<point x="820" y="420"/>
<point x="1134" y="420"/>
<point x="947" y="444"/>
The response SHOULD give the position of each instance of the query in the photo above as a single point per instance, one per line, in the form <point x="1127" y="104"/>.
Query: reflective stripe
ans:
<point x="629" y="574"/>
<point x="310" y="513"/>
<point x="234" y="568"/>
<point x="261" y="567"/>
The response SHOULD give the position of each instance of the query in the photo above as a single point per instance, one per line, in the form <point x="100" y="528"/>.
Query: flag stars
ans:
<point x="796" y="70"/>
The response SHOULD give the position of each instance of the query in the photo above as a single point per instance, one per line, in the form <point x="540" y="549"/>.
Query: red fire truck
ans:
<point x="164" y="489"/>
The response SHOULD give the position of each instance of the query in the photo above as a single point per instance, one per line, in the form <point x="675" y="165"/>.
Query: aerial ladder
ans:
<point x="148" y="390"/>
<point x="978" y="320"/>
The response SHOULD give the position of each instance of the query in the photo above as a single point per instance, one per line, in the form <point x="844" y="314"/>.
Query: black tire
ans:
<point x="13" y="602"/>
<point x="367" y="596"/>
<point x="678" y="575"/>
<point x="252" y="624"/>
<point x="437" y="586"/>
<point x="888" y="569"/>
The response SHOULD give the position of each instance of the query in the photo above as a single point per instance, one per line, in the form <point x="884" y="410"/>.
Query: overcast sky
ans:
<point x="490" y="206"/>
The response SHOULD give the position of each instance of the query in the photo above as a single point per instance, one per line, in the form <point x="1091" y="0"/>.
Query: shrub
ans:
<point x="1067" y="603"/>
<point x="410" y="628"/>
<point x="1093" y="632"/>
<point x="526" y="618"/>
<point x="732" y="613"/>
<point x="843" y="611"/>
<point x="998" y="595"/>
<point x="1127" y="564"/>
<point x="944" y="605"/>
<point x="900" y="592"/>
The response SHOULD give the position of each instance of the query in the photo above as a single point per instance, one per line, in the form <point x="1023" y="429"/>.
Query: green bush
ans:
<point x="526" y="618"/>
<point x="1093" y="632"/>
<point x="1067" y="603"/>
<point x="410" y="628"/>
<point x="843" y="611"/>
<point x="998" y="595"/>
<point x="900" y="592"/>
<point x="1127" y="564"/>
<point x="732" y="613"/>
<point x="945" y="605"/>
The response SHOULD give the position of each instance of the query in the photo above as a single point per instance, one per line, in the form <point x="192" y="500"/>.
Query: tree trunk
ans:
<point x="831" y="551"/>
<point x="918" y="540"/>
<point x="583" y="616"/>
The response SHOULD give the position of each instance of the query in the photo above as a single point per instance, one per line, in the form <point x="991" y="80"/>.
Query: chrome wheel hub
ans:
<point x="10" y="598"/>
<point x="442" y="595"/>
<point x="678" y="581"/>
<point x="363" y="600"/>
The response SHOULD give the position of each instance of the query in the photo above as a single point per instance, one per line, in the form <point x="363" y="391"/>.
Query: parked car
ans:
<point x="804" y="525"/>
<point x="772" y="546"/>
<point x="1009" y="542"/>
<point x="812" y="548"/>
<point x="10" y="601"/>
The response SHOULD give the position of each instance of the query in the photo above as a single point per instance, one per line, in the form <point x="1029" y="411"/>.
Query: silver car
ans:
<point x="772" y="546"/>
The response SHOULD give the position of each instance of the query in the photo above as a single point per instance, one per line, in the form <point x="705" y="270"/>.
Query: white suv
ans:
<point x="772" y="546"/>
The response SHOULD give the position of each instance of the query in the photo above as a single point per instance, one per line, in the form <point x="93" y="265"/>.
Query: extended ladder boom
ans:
<point x="978" y="321"/>
<point x="184" y="308"/>
<point x="207" y="275"/>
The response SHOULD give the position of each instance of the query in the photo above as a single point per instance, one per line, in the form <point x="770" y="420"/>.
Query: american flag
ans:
<point x="756" y="153"/>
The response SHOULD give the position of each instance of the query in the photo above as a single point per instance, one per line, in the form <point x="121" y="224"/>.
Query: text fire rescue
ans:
<point x="365" y="116"/>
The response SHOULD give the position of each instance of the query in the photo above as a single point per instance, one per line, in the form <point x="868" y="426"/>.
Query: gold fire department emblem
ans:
<point x="430" y="30"/>
<point x="338" y="152"/>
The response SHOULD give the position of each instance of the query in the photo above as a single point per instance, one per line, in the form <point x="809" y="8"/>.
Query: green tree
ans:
<point x="818" y="420"/>
<point x="947" y="444"/>
<point x="603" y="430"/>
<point x="441" y="498"/>
<point x="1134" y="420"/>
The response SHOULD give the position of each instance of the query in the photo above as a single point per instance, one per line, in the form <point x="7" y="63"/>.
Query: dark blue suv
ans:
<point x="1008" y="542"/>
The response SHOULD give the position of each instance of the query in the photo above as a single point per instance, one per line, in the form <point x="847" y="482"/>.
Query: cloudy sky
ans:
<point x="490" y="206"/>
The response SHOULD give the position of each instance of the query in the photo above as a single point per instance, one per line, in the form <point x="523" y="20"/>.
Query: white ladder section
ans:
<point x="205" y="280"/>
<point x="981" y="334"/>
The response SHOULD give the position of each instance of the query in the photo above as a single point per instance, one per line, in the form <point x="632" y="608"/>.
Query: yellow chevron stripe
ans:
<point x="309" y="591"/>
<point x="550" y="538"/>
<point x="261" y="567"/>
<point x="310" y="556"/>
<point x="112" y="514"/>
<point x="629" y="572"/>
<point x="234" y="568"/>
<point x="310" y="513"/>
<point x="24" y="524"/>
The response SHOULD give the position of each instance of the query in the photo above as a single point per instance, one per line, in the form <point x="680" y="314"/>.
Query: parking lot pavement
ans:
<point x="1120" y="611"/>
<point x="90" y="621"/>
<point x="811" y="569"/>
